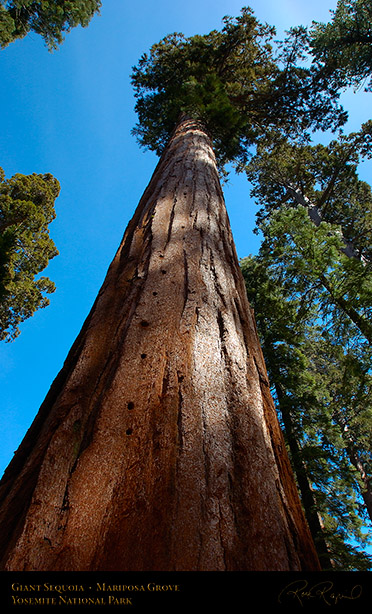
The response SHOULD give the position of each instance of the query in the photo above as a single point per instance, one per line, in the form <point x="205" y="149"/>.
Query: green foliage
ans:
<point x="285" y="173"/>
<point x="342" y="48"/>
<point x="322" y="389"/>
<point x="235" y="82"/>
<point x="311" y="287"/>
<point x="26" y="210"/>
<point x="49" y="18"/>
<point x="328" y="256"/>
<point x="315" y="266"/>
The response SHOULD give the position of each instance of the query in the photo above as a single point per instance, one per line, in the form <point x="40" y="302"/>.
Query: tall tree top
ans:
<point x="234" y="81"/>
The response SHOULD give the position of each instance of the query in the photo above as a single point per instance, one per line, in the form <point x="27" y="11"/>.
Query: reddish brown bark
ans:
<point x="158" y="446"/>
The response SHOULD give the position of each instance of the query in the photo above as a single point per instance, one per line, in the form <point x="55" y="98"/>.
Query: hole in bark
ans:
<point x="129" y="431"/>
<point x="145" y="323"/>
<point x="143" y="355"/>
<point x="154" y="293"/>
<point x="163" y="271"/>
<point x="130" y="405"/>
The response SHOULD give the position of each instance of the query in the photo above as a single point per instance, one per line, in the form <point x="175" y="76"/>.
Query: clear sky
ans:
<point x="70" y="113"/>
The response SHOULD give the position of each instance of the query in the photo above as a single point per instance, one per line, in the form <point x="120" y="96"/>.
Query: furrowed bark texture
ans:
<point x="158" y="446"/>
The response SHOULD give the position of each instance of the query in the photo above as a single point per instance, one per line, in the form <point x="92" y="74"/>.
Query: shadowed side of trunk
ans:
<point x="158" y="446"/>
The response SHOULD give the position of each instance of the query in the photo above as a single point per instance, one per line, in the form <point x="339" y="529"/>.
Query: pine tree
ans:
<point x="342" y="48"/>
<point x="310" y="286"/>
<point x="323" y="396"/>
<point x="327" y="263"/>
<point x="318" y="214"/>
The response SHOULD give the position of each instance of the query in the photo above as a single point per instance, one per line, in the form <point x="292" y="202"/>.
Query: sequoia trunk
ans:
<point x="158" y="446"/>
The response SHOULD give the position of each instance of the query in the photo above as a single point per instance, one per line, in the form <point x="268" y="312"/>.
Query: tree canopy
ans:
<point x="342" y="48"/>
<point x="49" y="18"/>
<point x="26" y="210"/>
<point x="318" y="215"/>
<point x="237" y="81"/>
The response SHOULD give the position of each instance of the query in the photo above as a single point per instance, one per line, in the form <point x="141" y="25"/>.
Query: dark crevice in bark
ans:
<point x="217" y="284"/>
<point x="262" y="376"/>
<point x="194" y="214"/>
<point x="166" y="375"/>
<point x="171" y="219"/>
<point x="180" y="379"/>
<point x="66" y="503"/>
<point x="243" y="323"/>
<point x="186" y="288"/>
<point x="221" y="328"/>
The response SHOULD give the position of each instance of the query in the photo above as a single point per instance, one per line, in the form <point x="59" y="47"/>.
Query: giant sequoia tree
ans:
<point x="158" y="445"/>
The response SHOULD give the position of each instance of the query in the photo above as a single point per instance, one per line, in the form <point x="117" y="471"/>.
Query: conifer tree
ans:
<point x="26" y="210"/>
<point x="318" y="214"/>
<point x="158" y="446"/>
<point x="322" y="392"/>
<point x="49" y="18"/>
<point x="311" y="287"/>
<point x="342" y="48"/>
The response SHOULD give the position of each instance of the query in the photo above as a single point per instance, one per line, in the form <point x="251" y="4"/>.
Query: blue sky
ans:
<point x="70" y="113"/>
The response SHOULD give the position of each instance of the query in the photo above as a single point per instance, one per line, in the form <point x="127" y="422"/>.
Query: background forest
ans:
<point x="300" y="209"/>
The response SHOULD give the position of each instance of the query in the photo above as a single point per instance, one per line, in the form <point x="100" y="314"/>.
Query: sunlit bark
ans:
<point x="158" y="446"/>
